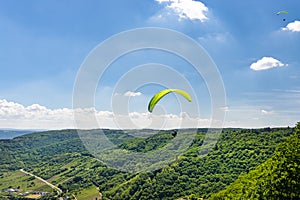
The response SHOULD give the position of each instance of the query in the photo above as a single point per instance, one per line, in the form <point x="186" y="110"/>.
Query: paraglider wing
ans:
<point x="162" y="93"/>
<point x="282" y="12"/>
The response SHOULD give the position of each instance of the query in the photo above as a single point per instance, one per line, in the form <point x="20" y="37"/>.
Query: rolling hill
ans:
<point x="61" y="158"/>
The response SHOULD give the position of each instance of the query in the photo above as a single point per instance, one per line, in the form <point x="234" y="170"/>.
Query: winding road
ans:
<point x="43" y="180"/>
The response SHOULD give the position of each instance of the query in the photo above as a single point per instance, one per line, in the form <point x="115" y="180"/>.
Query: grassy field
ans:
<point x="26" y="183"/>
<point x="23" y="182"/>
<point x="88" y="194"/>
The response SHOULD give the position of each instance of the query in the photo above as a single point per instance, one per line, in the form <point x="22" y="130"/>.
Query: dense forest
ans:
<point x="277" y="178"/>
<point x="243" y="162"/>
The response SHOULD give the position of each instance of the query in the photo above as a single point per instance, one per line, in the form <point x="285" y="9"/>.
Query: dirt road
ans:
<point x="43" y="180"/>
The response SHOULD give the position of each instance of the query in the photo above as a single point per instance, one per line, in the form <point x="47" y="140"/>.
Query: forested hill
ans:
<point x="277" y="178"/>
<point x="61" y="158"/>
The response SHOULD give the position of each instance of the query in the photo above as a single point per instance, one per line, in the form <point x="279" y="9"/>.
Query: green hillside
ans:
<point x="60" y="158"/>
<point x="277" y="178"/>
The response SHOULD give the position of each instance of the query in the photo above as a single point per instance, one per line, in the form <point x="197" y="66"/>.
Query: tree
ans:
<point x="277" y="178"/>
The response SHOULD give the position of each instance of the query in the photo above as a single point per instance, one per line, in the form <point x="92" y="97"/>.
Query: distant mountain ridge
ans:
<point x="12" y="133"/>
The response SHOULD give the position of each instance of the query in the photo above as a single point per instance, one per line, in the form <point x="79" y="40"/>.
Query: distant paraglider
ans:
<point x="282" y="12"/>
<point x="162" y="93"/>
<point x="174" y="133"/>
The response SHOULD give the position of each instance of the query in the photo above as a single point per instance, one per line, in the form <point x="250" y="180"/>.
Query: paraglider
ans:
<point x="162" y="93"/>
<point x="282" y="12"/>
<point x="174" y="133"/>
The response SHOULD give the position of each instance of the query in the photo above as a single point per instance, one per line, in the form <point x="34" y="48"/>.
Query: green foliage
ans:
<point x="277" y="178"/>
<point x="236" y="152"/>
<point x="21" y="181"/>
<point x="61" y="158"/>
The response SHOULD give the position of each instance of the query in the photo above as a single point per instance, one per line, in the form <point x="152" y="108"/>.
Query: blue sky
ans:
<point x="44" y="43"/>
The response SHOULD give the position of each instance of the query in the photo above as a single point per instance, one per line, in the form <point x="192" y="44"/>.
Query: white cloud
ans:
<point x="266" y="63"/>
<point x="15" y="115"/>
<point x="132" y="94"/>
<point x="226" y="108"/>
<point x="186" y="9"/>
<point x="254" y="116"/>
<point x="293" y="26"/>
<point x="217" y="37"/>
<point x="265" y="112"/>
<point x="293" y="91"/>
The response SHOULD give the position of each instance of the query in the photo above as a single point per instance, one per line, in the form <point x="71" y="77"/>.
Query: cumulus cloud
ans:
<point x="15" y="115"/>
<point x="186" y="9"/>
<point x="293" y="26"/>
<point x="132" y="94"/>
<point x="266" y="63"/>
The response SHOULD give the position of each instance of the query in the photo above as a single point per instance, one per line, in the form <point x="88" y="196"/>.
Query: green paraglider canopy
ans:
<point x="282" y="12"/>
<point x="162" y="93"/>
